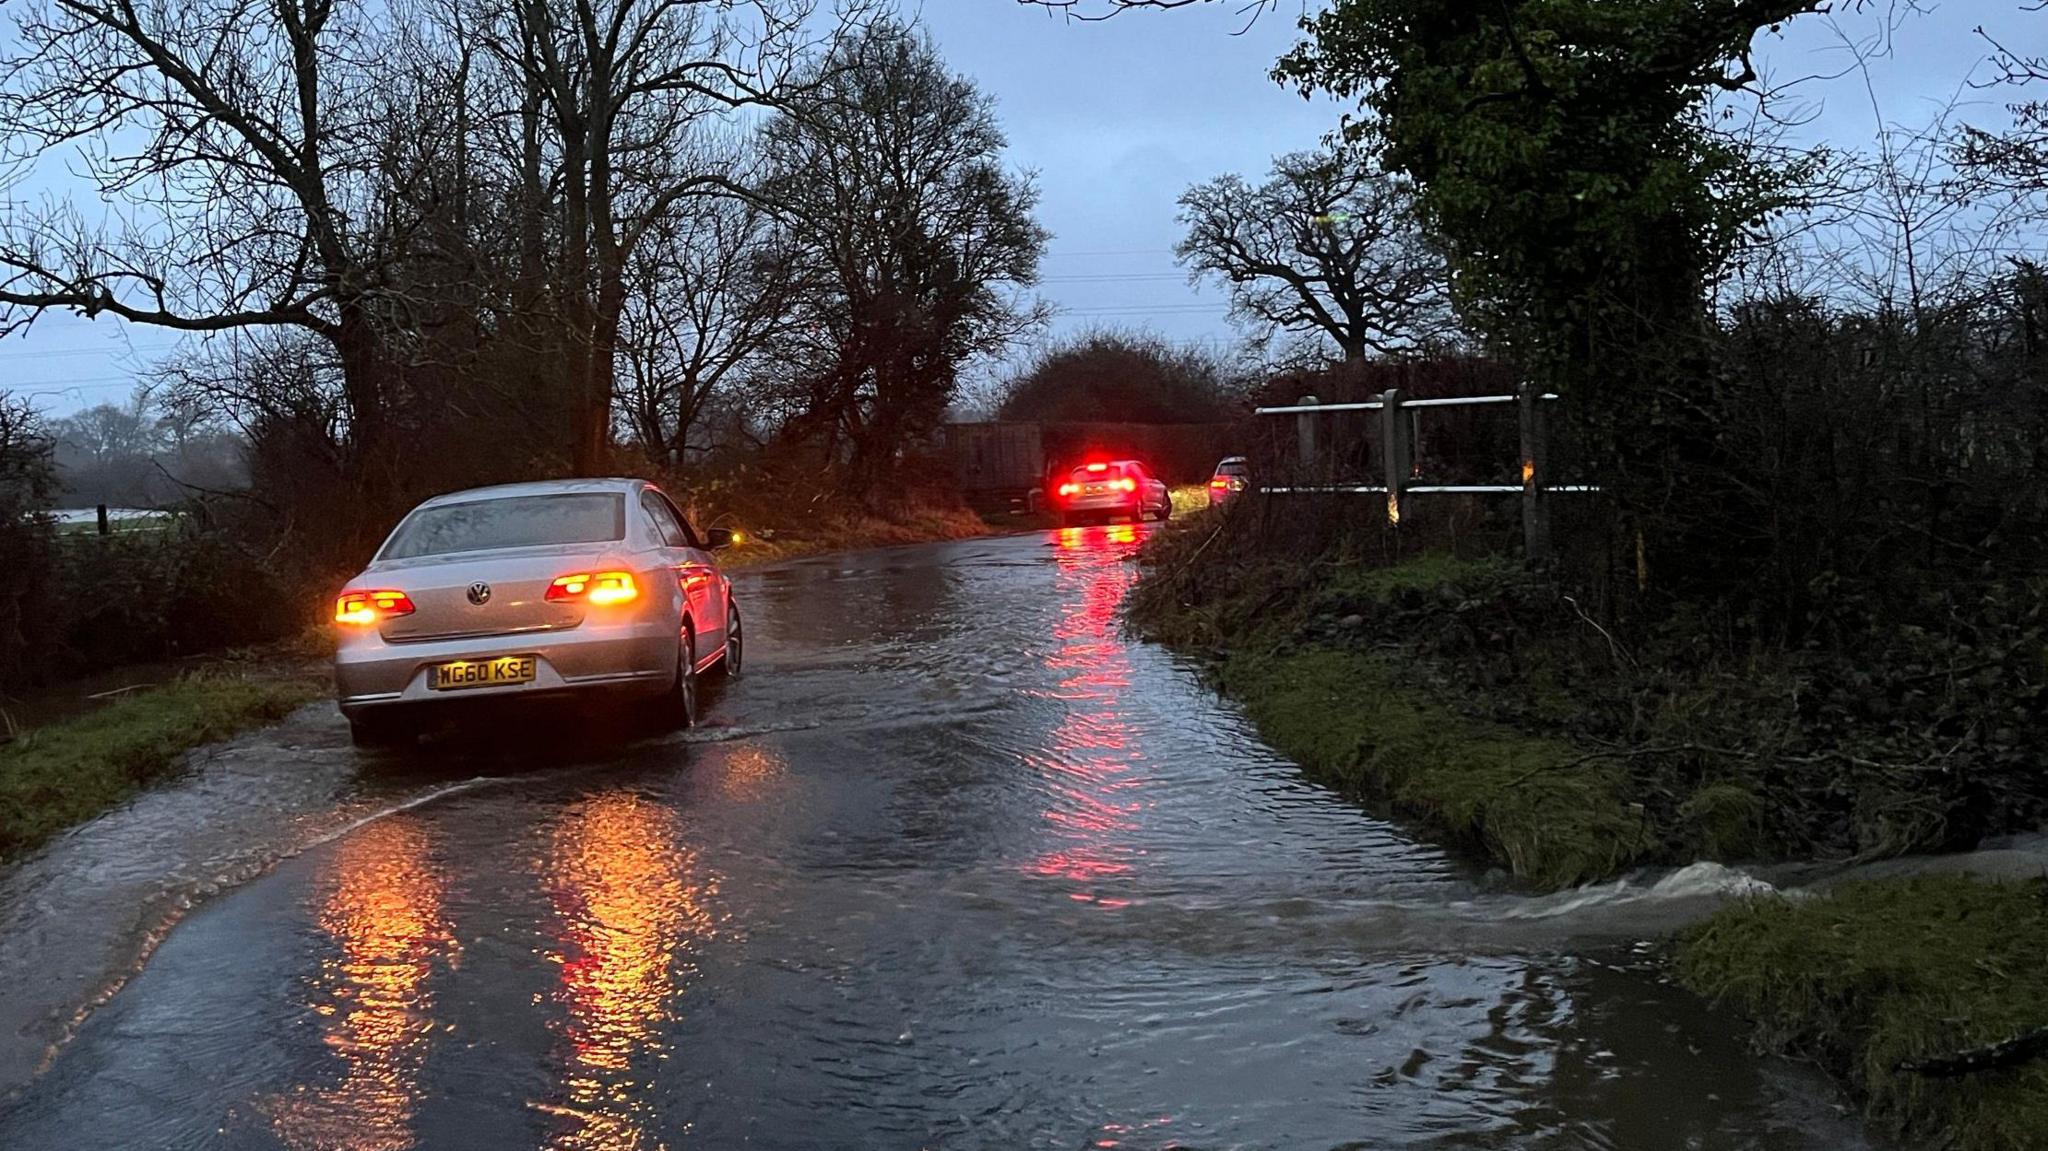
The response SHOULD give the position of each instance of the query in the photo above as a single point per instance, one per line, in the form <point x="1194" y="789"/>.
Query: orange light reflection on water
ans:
<point x="383" y="909"/>
<point x="631" y="912"/>
<point x="751" y="771"/>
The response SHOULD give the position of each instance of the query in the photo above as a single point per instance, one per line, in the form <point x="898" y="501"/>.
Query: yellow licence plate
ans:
<point x="483" y="672"/>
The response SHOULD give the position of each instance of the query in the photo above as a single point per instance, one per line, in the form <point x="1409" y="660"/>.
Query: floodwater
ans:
<point x="956" y="864"/>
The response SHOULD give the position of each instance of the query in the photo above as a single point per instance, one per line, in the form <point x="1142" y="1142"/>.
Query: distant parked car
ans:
<point x="1108" y="488"/>
<point x="561" y="588"/>
<point x="1232" y="476"/>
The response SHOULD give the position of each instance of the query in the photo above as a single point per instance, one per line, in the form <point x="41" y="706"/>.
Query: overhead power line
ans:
<point x="1116" y="252"/>
<point x="1147" y="309"/>
<point x="69" y="353"/>
<point x="1111" y="277"/>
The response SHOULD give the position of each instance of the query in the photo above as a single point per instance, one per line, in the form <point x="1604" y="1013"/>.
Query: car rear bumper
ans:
<point x="1119" y="502"/>
<point x="624" y="659"/>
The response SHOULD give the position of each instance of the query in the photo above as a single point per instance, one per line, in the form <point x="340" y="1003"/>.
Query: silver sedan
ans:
<point x="568" y="587"/>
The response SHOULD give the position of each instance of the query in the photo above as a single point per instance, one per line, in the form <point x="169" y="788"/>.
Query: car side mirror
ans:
<point x="717" y="538"/>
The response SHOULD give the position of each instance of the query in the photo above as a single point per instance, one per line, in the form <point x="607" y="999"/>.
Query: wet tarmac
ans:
<point x="956" y="864"/>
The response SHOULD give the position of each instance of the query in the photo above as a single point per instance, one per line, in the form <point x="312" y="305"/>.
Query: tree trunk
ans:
<point x="369" y="466"/>
<point x="591" y="451"/>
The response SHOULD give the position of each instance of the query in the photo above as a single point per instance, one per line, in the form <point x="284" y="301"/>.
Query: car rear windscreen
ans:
<point x="510" y="522"/>
<point x="1233" y="468"/>
<point x="1089" y="475"/>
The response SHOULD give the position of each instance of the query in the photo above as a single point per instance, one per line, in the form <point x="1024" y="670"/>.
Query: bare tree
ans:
<point x="709" y="289"/>
<point x="236" y="138"/>
<point x="915" y="241"/>
<point x="626" y="86"/>
<point x="2019" y="155"/>
<point x="1330" y="244"/>
<point x="1103" y="9"/>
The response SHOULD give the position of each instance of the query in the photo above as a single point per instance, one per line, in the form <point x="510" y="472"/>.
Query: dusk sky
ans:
<point x="1118" y="117"/>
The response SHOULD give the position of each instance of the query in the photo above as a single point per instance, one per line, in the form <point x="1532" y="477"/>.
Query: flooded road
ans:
<point x="955" y="865"/>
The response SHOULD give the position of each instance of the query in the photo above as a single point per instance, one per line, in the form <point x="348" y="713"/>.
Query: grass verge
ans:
<point x="66" y="772"/>
<point x="1882" y="974"/>
<point x="1539" y="806"/>
<point x="1189" y="499"/>
<point x="851" y="533"/>
<point x="1536" y="806"/>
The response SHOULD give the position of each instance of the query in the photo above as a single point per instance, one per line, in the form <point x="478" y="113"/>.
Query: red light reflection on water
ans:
<point x="1091" y="759"/>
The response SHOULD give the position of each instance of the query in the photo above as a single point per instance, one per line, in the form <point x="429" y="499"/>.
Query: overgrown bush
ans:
<point x="1860" y="458"/>
<point x="26" y="484"/>
<point x="1107" y="376"/>
<point x="149" y="595"/>
<point x="77" y="601"/>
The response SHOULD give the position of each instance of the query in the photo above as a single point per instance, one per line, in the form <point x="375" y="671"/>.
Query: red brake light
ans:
<point x="1219" y="482"/>
<point x="364" y="608"/>
<point x="1127" y="484"/>
<point x="594" y="588"/>
<point x="1068" y="489"/>
<point x="1098" y="467"/>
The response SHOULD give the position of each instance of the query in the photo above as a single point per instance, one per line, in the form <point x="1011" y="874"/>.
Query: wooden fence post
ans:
<point x="1396" y="444"/>
<point x="1535" y="474"/>
<point x="105" y="526"/>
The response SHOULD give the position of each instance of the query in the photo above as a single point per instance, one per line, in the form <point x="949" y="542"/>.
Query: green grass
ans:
<point x="1189" y="499"/>
<point x="62" y="774"/>
<point x="1426" y="572"/>
<point x="1896" y="970"/>
<point x="1536" y="806"/>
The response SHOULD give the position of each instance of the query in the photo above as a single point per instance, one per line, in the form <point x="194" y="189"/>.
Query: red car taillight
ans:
<point x="599" y="588"/>
<point x="365" y="608"/>
<point x="1220" y="484"/>
<point x="1126" y="484"/>
<point x="1069" y="489"/>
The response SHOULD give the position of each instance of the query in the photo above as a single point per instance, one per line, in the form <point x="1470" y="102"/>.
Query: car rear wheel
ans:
<point x="372" y="729"/>
<point x="735" y="644"/>
<point x="682" y="696"/>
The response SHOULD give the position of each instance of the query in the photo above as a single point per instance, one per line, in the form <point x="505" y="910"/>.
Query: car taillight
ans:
<point x="1069" y="489"/>
<point x="1127" y="484"/>
<point x="1098" y="467"/>
<point x="364" y="608"/>
<point x="1219" y="482"/>
<point x="593" y="588"/>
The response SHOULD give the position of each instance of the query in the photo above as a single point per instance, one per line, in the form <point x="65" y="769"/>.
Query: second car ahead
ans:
<point x="559" y="588"/>
<point x="1109" y="488"/>
<point x="1232" y="476"/>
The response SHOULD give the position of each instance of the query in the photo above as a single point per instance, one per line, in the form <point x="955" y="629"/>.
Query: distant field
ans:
<point x="85" y="521"/>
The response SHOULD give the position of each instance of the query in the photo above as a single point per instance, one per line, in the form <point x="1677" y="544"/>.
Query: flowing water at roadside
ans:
<point x="957" y="864"/>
